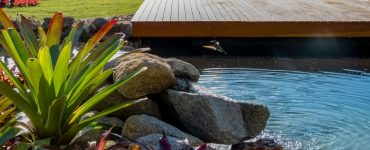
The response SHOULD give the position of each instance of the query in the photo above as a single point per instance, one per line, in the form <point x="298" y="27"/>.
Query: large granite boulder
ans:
<point x="141" y="125"/>
<point x="156" y="78"/>
<point x="216" y="119"/>
<point x="183" y="69"/>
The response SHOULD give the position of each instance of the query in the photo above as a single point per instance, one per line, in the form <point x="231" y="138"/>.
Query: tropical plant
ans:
<point x="7" y="109"/>
<point x="58" y="90"/>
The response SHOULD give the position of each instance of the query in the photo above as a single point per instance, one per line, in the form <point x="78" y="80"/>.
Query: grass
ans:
<point x="79" y="9"/>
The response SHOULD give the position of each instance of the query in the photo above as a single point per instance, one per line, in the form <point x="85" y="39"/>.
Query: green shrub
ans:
<point x="58" y="90"/>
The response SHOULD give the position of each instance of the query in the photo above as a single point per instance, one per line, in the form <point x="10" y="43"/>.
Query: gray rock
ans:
<point x="144" y="106"/>
<point x="112" y="64"/>
<point x="152" y="141"/>
<point x="67" y="25"/>
<point x="123" y="27"/>
<point x="258" y="144"/>
<point x="127" y="48"/>
<point x="83" y="138"/>
<point x="99" y="22"/>
<point x="88" y="30"/>
<point x="194" y="87"/>
<point x="106" y="120"/>
<point x="46" y="23"/>
<point x="155" y="79"/>
<point x="217" y="119"/>
<point x="92" y="136"/>
<point x="181" y="85"/>
<point x="213" y="146"/>
<point x="68" y="21"/>
<point x="255" y="117"/>
<point x="183" y="69"/>
<point x="139" y="126"/>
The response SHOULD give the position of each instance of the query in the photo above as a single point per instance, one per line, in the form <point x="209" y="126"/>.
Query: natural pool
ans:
<point x="322" y="110"/>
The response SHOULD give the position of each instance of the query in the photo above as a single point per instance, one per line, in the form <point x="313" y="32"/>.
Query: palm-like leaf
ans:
<point x="58" y="90"/>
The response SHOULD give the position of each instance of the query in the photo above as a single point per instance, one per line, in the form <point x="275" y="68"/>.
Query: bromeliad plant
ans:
<point x="6" y="106"/>
<point x="58" y="90"/>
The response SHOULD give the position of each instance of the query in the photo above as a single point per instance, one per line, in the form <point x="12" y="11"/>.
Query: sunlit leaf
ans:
<point x="42" y="36"/>
<point x="18" y="44"/>
<point x="61" y="68"/>
<point x="46" y="63"/>
<point x="35" y="77"/>
<point x="5" y="20"/>
<point x="55" y="30"/>
<point x="13" y="52"/>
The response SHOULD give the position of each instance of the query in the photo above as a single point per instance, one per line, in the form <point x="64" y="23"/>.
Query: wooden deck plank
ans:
<point x="244" y="10"/>
<point x="196" y="14"/>
<point x="188" y="11"/>
<point x="226" y="16"/>
<point x="216" y="12"/>
<point x="182" y="12"/>
<point x="175" y="10"/>
<point x="204" y="4"/>
<point x="239" y="11"/>
<point x="161" y="10"/>
<point x="252" y="18"/>
<point x="202" y="11"/>
<point x="154" y="11"/>
<point x="140" y="11"/>
<point x="147" y="11"/>
<point x="167" y="12"/>
<point x="234" y="15"/>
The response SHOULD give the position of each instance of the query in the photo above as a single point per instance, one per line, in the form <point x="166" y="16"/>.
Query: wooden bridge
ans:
<point x="252" y="18"/>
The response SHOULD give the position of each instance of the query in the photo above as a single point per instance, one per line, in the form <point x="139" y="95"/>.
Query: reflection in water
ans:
<point x="322" y="110"/>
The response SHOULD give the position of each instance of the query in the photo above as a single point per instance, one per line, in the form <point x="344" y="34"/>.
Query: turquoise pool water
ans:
<point x="324" y="110"/>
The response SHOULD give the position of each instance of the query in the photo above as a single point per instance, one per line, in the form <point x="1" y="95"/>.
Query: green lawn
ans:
<point x="78" y="8"/>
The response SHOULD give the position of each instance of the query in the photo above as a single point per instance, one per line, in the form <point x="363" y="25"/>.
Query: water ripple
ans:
<point x="324" y="110"/>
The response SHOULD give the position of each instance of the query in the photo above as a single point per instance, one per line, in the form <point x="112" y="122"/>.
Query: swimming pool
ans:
<point x="321" y="110"/>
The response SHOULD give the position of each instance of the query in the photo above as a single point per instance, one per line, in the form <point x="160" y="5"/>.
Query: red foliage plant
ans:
<point x="11" y="3"/>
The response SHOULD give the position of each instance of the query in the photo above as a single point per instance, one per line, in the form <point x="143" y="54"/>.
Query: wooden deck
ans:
<point x="252" y="18"/>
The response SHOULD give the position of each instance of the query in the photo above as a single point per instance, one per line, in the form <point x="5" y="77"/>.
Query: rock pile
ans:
<point x="173" y="103"/>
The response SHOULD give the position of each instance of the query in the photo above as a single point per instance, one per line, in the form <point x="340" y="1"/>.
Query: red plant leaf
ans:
<point x="164" y="143"/>
<point x="104" y="139"/>
<point x="55" y="29"/>
<point x="13" y="68"/>
<point x="100" y="34"/>
<point x="202" y="147"/>
<point x="5" y="20"/>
